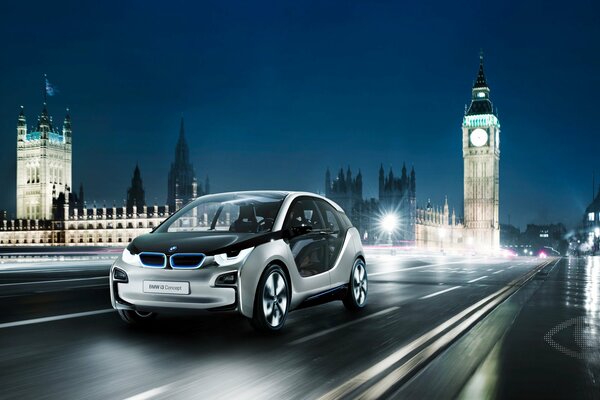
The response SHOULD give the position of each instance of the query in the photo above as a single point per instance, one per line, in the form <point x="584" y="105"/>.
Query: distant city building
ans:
<point x="346" y="191"/>
<point x="43" y="165"/>
<point x="438" y="229"/>
<point x="546" y="238"/>
<point x="481" y="155"/>
<point x="135" y="194"/>
<point x="396" y="195"/>
<point x="182" y="184"/>
<point x="591" y="224"/>
<point x="96" y="226"/>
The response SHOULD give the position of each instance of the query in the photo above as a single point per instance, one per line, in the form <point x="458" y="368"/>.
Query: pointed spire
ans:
<point x="480" y="82"/>
<point x="21" y="121"/>
<point x="67" y="124"/>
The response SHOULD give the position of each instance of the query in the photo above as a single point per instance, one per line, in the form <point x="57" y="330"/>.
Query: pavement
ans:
<point x="60" y="339"/>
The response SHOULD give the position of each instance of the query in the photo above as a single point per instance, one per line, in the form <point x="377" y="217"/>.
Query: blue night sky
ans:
<point x="273" y="93"/>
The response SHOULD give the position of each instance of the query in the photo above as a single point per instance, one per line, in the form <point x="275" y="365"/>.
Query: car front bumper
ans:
<point x="204" y="294"/>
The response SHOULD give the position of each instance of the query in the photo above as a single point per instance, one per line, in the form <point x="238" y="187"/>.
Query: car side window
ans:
<point x="332" y="223"/>
<point x="303" y="212"/>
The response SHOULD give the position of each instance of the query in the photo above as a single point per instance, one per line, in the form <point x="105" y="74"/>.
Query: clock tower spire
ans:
<point x="481" y="156"/>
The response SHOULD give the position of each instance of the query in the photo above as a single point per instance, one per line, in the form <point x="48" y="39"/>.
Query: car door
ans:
<point x="333" y="231"/>
<point x="307" y="244"/>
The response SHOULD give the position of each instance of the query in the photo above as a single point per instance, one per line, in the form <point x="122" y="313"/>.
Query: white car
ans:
<point x="262" y="253"/>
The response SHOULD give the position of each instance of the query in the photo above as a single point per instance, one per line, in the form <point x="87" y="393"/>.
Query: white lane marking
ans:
<point x="412" y="268"/>
<point x="327" y="331"/>
<point x="352" y="384"/>
<point x="497" y="272"/>
<point x="490" y="269"/>
<point x="54" y="281"/>
<point x="149" y="393"/>
<point x="511" y="267"/>
<point x="399" y="354"/>
<point x="53" y="318"/>
<point x="438" y="293"/>
<point x="477" y="279"/>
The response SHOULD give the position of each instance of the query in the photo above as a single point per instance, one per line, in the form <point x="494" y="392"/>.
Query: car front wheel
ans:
<point x="272" y="300"/>
<point x="356" y="297"/>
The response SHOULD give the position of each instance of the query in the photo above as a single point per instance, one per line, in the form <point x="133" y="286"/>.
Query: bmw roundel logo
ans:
<point x="172" y="248"/>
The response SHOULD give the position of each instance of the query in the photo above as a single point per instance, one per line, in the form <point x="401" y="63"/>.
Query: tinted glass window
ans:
<point x="303" y="212"/>
<point x="244" y="212"/>
<point x="330" y="216"/>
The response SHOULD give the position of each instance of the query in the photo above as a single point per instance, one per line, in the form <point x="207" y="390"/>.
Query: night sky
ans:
<point x="273" y="93"/>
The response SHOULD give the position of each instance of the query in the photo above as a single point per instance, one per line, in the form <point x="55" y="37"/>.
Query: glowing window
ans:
<point x="480" y="94"/>
<point x="591" y="216"/>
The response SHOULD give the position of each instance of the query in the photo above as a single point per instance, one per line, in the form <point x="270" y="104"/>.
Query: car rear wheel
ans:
<point x="356" y="297"/>
<point x="272" y="300"/>
<point x="137" y="318"/>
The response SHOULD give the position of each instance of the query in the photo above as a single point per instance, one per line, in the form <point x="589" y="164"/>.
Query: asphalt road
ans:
<point x="59" y="338"/>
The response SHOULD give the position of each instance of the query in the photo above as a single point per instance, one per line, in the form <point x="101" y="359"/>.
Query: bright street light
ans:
<point x="389" y="223"/>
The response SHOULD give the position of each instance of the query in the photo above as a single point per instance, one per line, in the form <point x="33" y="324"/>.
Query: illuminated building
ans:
<point x="481" y="155"/>
<point x="43" y="165"/>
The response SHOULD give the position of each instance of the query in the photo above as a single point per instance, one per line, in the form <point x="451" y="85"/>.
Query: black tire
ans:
<point x="272" y="294"/>
<point x="356" y="297"/>
<point x="136" y="318"/>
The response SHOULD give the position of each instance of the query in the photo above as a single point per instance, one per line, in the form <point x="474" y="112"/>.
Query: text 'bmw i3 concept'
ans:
<point x="260" y="253"/>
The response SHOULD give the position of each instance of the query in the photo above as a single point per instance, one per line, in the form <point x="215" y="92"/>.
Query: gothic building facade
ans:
<point x="397" y="195"/>
<point x="44" y="156"/>
<point x="436" y="228"/>
<point x="346" y="191"/>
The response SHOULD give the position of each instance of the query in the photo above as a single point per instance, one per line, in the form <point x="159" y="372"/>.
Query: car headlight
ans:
<point x="131" y="259"/>
<point x="224" y="260"/>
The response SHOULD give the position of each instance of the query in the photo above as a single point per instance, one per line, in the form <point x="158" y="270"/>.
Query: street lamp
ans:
<point x="389" y="223"/>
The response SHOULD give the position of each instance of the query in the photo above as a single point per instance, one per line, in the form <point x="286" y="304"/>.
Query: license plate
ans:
<point x="163" y="287"/>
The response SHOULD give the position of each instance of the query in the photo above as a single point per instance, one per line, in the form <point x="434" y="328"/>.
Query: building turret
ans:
<point x="44" y="123"/>
<point x="67" y="128"/>
<point x="21" y="126"/>
<point x="381" y="181"/>
<point x="348" y="178"/>
<point x="413" y="181"/>
<point x="327" y="182"/>
<point x="404" y="177"/>
<point x="358" y="183"/>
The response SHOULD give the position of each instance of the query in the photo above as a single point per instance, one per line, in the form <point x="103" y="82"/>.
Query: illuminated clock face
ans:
<point x="478" y="137"/>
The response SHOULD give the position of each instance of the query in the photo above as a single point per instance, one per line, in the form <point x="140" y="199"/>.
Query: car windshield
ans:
<point x="242" y="212"/>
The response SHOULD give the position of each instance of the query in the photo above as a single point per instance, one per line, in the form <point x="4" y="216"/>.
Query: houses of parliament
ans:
<point x="50" y="212"/>
<point x="428" y="226"/>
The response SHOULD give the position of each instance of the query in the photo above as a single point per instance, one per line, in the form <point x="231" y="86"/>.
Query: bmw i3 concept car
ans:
<point x="261" y="253"/>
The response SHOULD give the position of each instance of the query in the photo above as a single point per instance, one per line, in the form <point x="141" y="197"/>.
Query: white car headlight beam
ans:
<point x="225" y="261"/>
<point x="131" y="259"/>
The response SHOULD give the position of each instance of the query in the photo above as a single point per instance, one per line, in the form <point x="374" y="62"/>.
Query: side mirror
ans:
<point x="301" y="230"/>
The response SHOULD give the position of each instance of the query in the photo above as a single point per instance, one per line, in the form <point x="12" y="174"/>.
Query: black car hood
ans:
<point x="209" y="243"/>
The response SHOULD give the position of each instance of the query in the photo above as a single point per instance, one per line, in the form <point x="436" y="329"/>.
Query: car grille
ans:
<point x="187" y="261"/>
<point x="153" y="260"/>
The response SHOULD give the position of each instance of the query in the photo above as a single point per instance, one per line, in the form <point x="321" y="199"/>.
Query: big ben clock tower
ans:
<point x="481" y="155"/>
